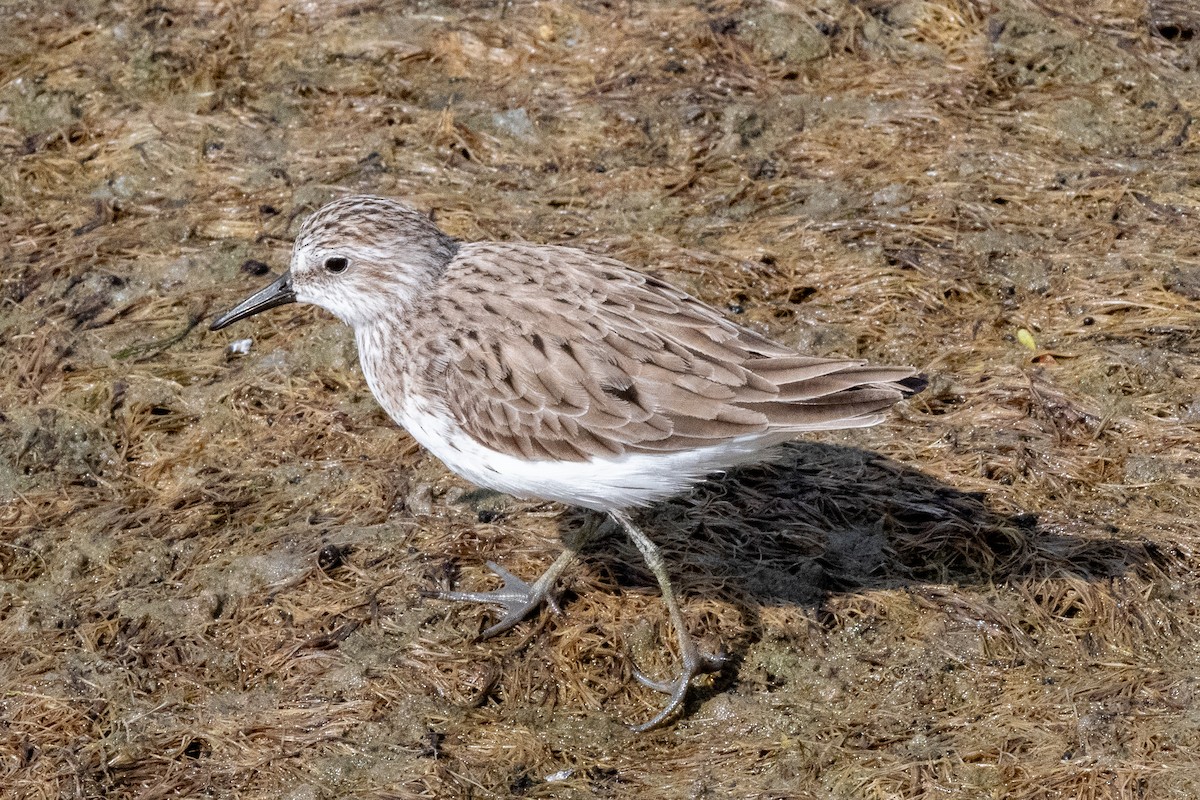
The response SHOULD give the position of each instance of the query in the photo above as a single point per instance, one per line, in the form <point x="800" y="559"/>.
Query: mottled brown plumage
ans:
<point x="552" y="353"/>
<point x="550" y="372"/>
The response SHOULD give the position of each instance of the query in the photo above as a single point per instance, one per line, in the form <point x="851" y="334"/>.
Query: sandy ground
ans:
<point x="212" y="562"/>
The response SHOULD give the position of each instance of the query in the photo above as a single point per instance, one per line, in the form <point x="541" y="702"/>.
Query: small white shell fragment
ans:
<point x="239" y="348"/>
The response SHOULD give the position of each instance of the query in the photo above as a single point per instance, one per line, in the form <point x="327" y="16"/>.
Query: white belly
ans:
<point x="602" y="484"/>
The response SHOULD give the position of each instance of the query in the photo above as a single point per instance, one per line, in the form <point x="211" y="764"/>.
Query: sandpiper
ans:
<point x="549" y="372"/>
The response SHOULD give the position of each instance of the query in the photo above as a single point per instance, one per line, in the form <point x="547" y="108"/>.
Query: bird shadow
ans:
<point x="821" y="520"/>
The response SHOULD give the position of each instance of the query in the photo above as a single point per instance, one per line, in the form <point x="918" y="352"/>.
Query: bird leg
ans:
<point x="694" y="661"/>
<point x="518" y="598"/>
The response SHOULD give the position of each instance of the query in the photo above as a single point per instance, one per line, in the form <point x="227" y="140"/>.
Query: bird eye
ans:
<point x="336" y="264"/>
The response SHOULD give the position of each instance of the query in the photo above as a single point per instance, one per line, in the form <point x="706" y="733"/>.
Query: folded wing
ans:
<point x="617" y="362"/>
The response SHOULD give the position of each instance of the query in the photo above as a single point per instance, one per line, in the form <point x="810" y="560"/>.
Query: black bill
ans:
<point x="278" y="293"/>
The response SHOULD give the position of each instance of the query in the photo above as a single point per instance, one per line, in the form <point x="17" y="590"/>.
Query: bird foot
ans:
<point x="694" y="663"/>
<point x="517" y="597"/>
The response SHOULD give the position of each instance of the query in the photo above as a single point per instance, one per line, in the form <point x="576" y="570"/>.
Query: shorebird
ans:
<point x="549" y="372"/>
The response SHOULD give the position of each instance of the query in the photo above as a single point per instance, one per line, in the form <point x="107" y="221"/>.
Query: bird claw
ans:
<point x="694" y="663"/>
<point x="517" y="597"/>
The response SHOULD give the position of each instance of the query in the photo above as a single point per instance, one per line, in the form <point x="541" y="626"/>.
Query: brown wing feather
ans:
<point x="564" y="355"/>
